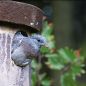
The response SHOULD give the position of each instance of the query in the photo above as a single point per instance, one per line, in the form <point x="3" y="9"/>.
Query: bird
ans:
<point x="24" y="48"/>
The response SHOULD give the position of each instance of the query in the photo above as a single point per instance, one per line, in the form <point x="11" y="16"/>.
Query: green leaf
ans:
<point x="34" y="79"/>
<point x="76" y="69"/>
<point x="55" y="66"/>
<point x="34" y="64"/>
<point x="53" y="62"/>
<point x="51" y="56"/>
<point x="47" y="30"/>
<point x="68" y="80"/>
<point x="51" y="44"/>
<point x="44" y="50"/>
<point x="67" y="54"/>
<point x="83" y="71"/>
<point x="46" y="82"/>
<point x="42" y="76"/>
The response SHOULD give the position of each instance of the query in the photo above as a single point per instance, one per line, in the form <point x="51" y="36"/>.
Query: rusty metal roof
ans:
<point x="21" y="13"/>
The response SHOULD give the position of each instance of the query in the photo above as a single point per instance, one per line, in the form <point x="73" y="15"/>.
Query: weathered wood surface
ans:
<point x="10" y="74"/>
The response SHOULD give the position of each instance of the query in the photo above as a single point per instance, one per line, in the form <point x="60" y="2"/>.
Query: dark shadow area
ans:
<point x="13" y="25"/>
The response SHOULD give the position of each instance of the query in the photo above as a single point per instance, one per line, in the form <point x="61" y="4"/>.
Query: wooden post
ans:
<point x="10" y="74"/>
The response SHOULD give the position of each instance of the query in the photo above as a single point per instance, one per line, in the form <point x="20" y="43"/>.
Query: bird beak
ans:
<point x="46" y="45"/>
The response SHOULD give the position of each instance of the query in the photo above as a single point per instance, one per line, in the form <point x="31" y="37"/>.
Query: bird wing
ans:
<point x="30" y="47"/>
<point x="16" y="42"/>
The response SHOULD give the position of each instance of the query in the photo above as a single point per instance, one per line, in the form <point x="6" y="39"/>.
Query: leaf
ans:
<point x="46" y="82"/>
<point x="34" y="64"/>
<point x="67" y="54"/>
<point x="51" y="44"/>
<point x="68" y="80"/>
<point x="55" y="66"/>
<point x="34" y="79"/>
<point x="53" y="62"/>
<point x="44" y="50"/>
<point x="76" y="69"/>
<point x="83" y="71"/>
<point x="52" y="55"/>
<point x="42" y="76"/>
<point x="47" y="29"/>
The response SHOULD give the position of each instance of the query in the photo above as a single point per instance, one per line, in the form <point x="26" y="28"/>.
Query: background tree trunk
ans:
<point x="62" y="29"/>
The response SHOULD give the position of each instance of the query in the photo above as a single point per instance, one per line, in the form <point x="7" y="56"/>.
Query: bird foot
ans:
<point x="26" y="62"/>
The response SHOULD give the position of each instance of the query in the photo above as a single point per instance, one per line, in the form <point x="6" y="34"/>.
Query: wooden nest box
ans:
<point x="15" y="16"/>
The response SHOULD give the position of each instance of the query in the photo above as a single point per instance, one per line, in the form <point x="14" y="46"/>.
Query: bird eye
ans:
<point x="38" y="40"/>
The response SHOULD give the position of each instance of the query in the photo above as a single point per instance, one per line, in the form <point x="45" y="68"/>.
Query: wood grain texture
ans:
<point x="10" y="74"/>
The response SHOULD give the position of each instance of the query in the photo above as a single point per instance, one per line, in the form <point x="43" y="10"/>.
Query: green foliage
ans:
<point x="46" y="82"/>
<point x="64" y="59"/>
<point x="68" y="80"/>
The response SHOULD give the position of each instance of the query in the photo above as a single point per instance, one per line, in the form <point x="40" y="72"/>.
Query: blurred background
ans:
<point x="64" y="24"/>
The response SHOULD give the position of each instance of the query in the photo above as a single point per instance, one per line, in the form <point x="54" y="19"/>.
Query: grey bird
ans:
<point x="26" y="48"/>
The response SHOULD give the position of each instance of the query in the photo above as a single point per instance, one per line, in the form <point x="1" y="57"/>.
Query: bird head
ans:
<point x="41" y="40"/>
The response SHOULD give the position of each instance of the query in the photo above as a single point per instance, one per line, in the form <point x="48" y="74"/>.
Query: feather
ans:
<point x="26" y="48"/>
